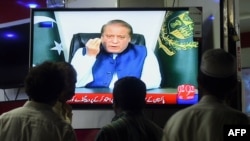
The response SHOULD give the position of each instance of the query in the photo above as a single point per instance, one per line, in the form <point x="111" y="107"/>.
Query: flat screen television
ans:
<point x="246" y="90"/>
<point x="14" y="55"/>
<point x="173" y="35"/>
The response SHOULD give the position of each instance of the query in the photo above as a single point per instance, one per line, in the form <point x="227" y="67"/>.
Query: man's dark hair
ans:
<point x="129" y="94"/>
<point x="121" y="22"/>
<point x="44" y="83"/>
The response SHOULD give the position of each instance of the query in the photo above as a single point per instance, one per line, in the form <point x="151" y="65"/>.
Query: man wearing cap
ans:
<point x="217" y="81"/>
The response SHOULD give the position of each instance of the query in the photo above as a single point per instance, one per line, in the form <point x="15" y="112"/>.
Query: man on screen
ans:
<point x="111" y="57"/>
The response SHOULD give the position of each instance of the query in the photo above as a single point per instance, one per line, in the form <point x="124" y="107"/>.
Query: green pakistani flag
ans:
<point x="46" y="44"/>
<point x="176" y="51"/>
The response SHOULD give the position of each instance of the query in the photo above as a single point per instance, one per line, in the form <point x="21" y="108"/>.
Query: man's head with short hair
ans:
<point x="116" y="36"/>
<point x="218" y="75"/>
<point x="120" y="22"/>
<point x="129" y="94"/>
<point x="44" y="83"/>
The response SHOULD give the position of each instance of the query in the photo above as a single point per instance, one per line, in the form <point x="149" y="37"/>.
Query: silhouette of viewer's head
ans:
<point x="44" y="83"/>
<point x="218" y="75"/>
<point x="129" y="94"/>
<point x="70" y="80"/>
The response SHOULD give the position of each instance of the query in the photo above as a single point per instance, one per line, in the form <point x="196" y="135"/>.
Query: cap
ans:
<point x="218" y="63"/>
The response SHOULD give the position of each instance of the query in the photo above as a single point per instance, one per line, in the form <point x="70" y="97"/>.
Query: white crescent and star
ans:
<point x="58" y="46"/>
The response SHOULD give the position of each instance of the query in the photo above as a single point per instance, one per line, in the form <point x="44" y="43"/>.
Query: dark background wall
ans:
<point x="14" y="40"/>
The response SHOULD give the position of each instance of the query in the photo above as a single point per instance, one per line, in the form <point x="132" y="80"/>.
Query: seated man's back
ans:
<point x="129" y="123"/>
<point x="217" y="81"/>
<point x="202" y="122"/>
<point x="36" y="120"/>
<point x="130" y="127"/>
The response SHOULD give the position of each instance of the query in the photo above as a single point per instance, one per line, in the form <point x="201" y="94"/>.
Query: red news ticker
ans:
<point x="106" y="98"/>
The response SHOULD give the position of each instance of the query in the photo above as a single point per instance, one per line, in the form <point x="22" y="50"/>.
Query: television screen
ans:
<point x="158" y="45"/>
<point x="14" y="55"/>
<point x="246" y="90"/>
